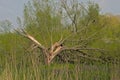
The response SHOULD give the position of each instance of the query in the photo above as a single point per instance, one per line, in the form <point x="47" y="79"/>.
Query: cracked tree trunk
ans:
<point x="50" y="56"/>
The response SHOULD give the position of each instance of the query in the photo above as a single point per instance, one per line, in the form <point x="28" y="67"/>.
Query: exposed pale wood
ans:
<point x="27" y="35"/>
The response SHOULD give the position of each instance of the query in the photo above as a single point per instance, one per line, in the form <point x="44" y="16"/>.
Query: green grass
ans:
<point x="31" y="69"/>
<point x="15" y="65"/>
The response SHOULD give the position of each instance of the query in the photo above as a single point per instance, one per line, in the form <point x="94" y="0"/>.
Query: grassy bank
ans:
<point x="31" y="69"/>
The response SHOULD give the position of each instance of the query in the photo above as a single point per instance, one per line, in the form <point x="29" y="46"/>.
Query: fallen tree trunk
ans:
<point x="55" y="49"/>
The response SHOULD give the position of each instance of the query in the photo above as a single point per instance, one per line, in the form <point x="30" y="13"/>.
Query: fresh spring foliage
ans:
<point x="48" y="22"/>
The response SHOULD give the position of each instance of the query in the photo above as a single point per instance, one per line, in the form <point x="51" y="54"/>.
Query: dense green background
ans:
<point x="48" y="21"/>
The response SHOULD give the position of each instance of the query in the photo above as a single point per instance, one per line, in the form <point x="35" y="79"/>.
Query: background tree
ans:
<point x="49" y="26"/>
<point x="54" y="36"/>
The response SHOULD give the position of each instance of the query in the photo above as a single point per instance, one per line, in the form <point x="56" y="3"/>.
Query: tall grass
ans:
<point x="29" y="68"/>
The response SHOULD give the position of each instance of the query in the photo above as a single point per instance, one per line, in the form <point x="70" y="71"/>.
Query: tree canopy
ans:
<point x="84" y="32"/>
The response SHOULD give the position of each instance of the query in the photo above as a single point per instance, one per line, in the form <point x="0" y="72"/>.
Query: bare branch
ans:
<point x="32" y="47"/>
<point x="25" y="34"/>
<point x="91" y="58"/>
<point x="73" y="19"/>
<point x="77" y="48"/>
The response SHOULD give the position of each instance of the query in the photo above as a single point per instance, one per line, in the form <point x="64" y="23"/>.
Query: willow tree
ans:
<point x="48" y="24"/>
